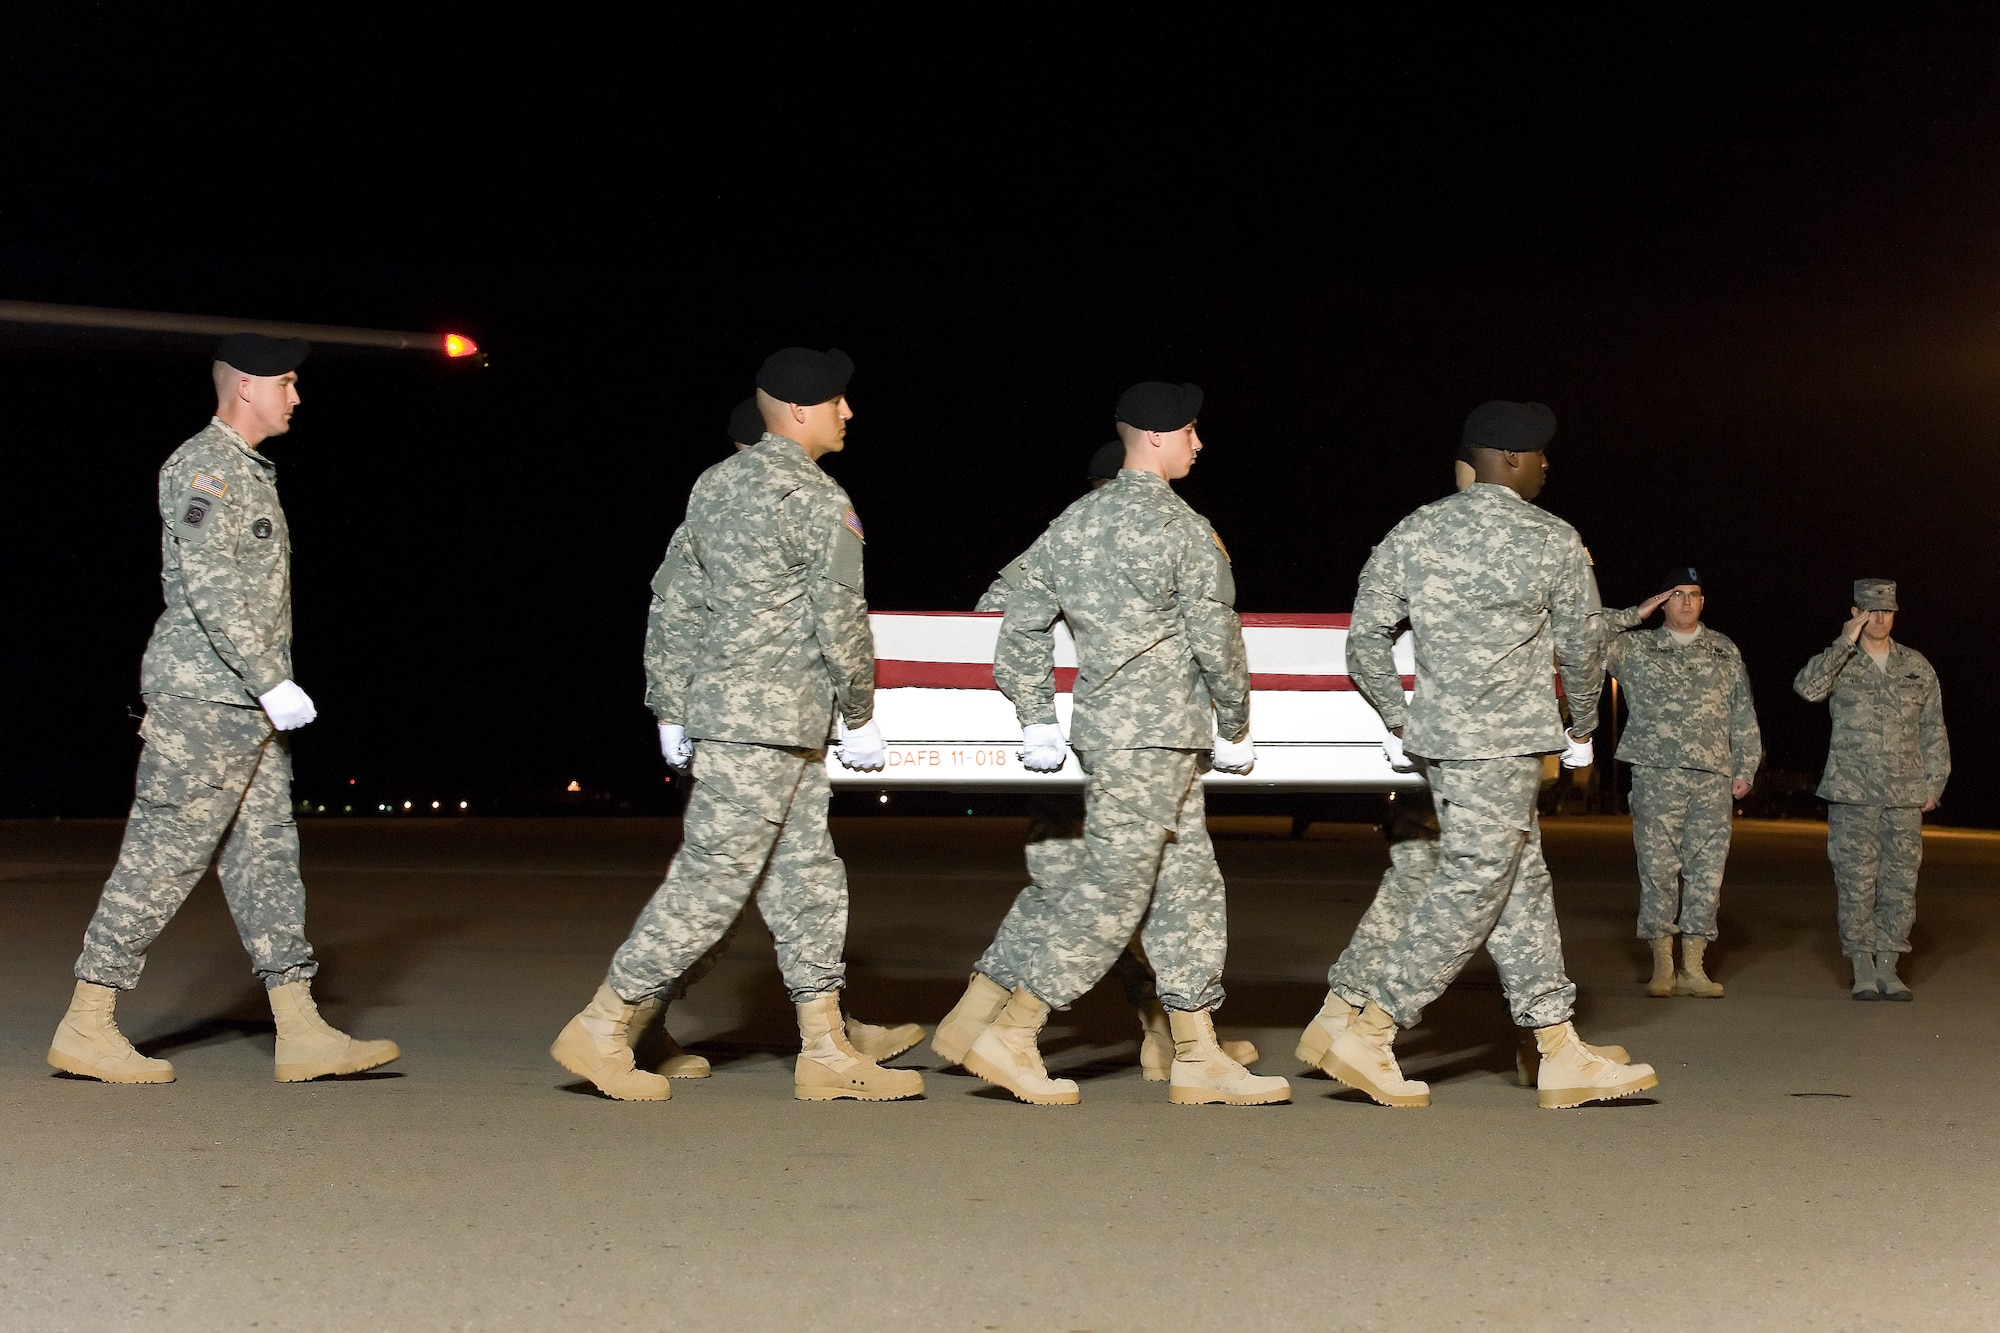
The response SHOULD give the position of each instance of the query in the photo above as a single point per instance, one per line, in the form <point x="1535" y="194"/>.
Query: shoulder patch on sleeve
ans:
<point x="853" y="522"/>
<point x="1216" y="537"/>
<point x="208" y="481"/>
<point x="196" y="512"/>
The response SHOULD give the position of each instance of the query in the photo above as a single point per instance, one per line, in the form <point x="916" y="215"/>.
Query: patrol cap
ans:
<point x="803" y="376"/>
<point x="1524" y="428"/>
<point x="1157" y="406"/>
<point x="1875" y="594"/>
<point x="1677" y="576"/>
<point x="256" y="354"/>
<point x="746" y="423"/>
<point x="1107" y="462"/>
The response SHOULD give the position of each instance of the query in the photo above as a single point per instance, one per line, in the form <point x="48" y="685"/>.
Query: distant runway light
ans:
<point x="461" y="805"/>
<point x="406" y="805"/>
<point x="885" y="798"/>
<point x="434" y="805"/>
<point x="457" y="344"/>
<point x="574" y="786"/>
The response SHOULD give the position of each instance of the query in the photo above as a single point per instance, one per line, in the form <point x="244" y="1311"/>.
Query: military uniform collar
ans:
<point x="1132" y="476"/>
<point x="229" y="433"/>
<point x="1507" y="491"/>
<point x="784" y="449"/>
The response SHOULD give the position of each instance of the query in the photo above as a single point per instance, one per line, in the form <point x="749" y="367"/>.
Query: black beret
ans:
<point x="255" y="354"/>
<point x="746" y="423"/>
<point x="1524" y="428"/>
<point x="1675" y="577"/>
<point x="1465" y="453"/>
<point x="1107" y="462"/>
<point x="1157" y="406"/>
<point x="803" y="376"/>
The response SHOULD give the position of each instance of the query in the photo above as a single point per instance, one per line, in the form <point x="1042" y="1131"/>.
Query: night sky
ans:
<point x="1753" y="266"/>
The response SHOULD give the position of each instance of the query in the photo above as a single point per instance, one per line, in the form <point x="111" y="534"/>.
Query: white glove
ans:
<point x="1392" y="750"/>
<point x="863" y="748"/>
<point x="287" y="706"/>
<point x="675" y="745"/>
<point x="1234" y="756"/>
<point x="1043" y="749"/>
<point x="1578" y="753"/>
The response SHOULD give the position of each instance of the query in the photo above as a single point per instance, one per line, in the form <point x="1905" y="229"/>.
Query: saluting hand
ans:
<point x="1654" y="603"/>
<point x="1851" y="631"/>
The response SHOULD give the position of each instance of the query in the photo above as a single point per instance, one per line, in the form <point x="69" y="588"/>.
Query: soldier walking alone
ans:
<point x="1489" y="583"/>
<point x="1885" y="767"/>
<point x="217" y="681"/>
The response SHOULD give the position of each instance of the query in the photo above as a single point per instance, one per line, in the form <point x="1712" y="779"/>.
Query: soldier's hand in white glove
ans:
<point x="1234" y="756"/>
<point x="1043" y="749"/>
<point x="1399" y="759"/>
<point x="675" y="745"/>
<point x="1578" y="753"/>
<point x="862" y="748"/>
<point x="287" y="706"/>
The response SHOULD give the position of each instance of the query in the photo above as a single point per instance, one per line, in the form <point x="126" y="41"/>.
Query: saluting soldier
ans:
<point x="1055" y="856"/>
<point x="784" y="655"/>
<point x="216" y="766"/>
<point x="674" y="623"/>
<point x="1886" y="766"/>
<point x="1162" y="685"/>
<point x="1488" y="583"/>
<point x="1694" y="747"/>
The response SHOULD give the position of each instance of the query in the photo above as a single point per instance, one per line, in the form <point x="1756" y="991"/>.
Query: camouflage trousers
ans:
<point x="756" y="812"/>
<point x="1412" y="863"/>
<point x="1147" y="865"/>
<point x="1680" y="830"/>
<point x="209" y="774"/>
<point x="1875" y="850"/>
<point x="1492" y="887"/>
<point x="1054" y="854"/>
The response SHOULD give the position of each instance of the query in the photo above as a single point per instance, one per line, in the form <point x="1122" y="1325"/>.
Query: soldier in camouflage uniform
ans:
<point x="1411" y="827"/>
<point x="1055" y="856"/>
<point x="1885" y="767"/>
<point x="782" y="650"/>
<point x="1694" y="747"/>
<point x="217" y="681"/>
<point x="1488" y="582"/>
<point x="674" y="624"/>
<point x="1161" y="685"/>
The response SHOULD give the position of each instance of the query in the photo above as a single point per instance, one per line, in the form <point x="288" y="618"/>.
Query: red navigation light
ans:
<point x="457" y="344"/>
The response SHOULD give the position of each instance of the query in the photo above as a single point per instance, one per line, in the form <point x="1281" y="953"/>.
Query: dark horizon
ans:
<point x="1752" y="269"/>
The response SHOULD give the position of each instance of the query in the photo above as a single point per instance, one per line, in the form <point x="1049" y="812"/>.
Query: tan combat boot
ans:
<point x="678" y="1063"/>
<point x="882" y="1043"/>
<point x="1573" y="1074"/>
<point x="1364" y="1058"/>
<point x="1864" y="978"/>
<point x="982" y="1002"/>
<point x="829" y="1067"/>
<point x="1528" y="1057"/>
<point x="88" y="1042"/>
<point x="309" y="1047"/>
<point x="1204" y="1074"/>
<point x="1156" y="1046"/>
<point x="1334" y="1017"/>
<point x="1005" y="1054"/>
<point x="1662" y="984"/>
<point x="597" y="1045"/>
<point x="1887" y="981"/>
<point x="1692" y="980"/>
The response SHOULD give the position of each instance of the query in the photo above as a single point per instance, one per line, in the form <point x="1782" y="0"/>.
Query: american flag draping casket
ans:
<point x="948" y="727"/>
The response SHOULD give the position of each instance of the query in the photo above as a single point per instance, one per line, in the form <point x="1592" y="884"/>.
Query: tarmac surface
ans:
<point x="1805" y="1162"/>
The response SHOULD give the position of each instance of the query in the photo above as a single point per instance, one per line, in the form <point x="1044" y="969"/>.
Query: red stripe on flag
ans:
<point x="902" y="674"/>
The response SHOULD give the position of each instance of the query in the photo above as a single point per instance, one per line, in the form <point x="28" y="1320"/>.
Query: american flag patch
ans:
<point x="853" y="522"/>
<point x="215" y="486"/>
